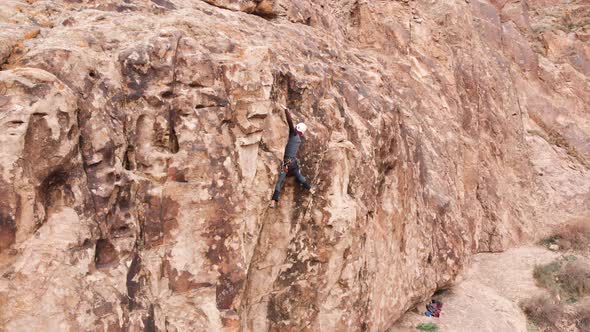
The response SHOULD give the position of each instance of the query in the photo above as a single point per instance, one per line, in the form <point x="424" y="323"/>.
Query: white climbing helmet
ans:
<point x="301" y="127"/>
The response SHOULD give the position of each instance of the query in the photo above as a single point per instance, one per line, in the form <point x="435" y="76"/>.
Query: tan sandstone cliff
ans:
<point x="141" y="139"/>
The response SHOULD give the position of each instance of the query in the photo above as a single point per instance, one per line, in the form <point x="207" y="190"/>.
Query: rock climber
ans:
<point x="289" y="165"/>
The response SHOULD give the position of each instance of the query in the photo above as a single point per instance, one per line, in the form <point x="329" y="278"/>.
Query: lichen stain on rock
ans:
<point x="158" y="220"/>
<point x="133" y="284"/>
<point x="231" y="277"/>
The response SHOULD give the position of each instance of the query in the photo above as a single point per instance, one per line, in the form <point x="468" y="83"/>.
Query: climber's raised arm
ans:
<point x="290" y="122"/>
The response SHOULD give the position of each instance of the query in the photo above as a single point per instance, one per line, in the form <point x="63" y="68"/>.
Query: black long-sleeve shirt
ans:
<point x="294" y="139"/>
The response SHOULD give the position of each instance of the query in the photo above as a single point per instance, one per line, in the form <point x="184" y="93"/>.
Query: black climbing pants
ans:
<point x="292" y="169"/>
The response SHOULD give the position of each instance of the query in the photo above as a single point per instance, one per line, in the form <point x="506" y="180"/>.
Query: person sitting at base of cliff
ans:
<point x="433" y="309"/>
<point x="290" y="165"/>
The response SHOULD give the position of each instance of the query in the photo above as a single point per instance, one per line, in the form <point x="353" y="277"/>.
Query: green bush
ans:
<point x="427" y="327"/>
<point x="545" y="275"/>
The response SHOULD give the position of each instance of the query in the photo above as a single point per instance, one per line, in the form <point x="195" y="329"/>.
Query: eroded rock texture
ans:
<point x="141" y="139"/>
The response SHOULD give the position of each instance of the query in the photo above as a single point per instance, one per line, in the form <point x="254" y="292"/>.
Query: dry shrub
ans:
<point x="548" y="314"/>
<point x="544" y="312"/>
<point x="569" y="277"/>
<point x="582" y="317"/>
<point x="575" y="236"/>
<point x="574" y="279"/>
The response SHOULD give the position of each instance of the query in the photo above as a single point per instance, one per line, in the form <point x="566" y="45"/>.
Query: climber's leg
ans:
<point x="301" y="179"/>
<point x="277" y="192"/>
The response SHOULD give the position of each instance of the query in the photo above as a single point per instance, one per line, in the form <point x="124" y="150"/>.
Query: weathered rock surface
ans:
<point x="141" y="141"/>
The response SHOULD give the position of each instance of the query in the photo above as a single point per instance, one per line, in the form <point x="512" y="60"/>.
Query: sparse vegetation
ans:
<point x="531" y="327"/>
<point x="568" y="281"/>
<point x="546" y="242"/>
<point x="574" y="236"/>
<point x="431" y="327"/>
<point x="571" y="24"/>
<point x="543" y="312"/>
<point x="567" y="277"/>
<point x="574" y="279"/>
<point x="582" y="317"/>
<point x="547" y="314"/>
<point x="545" y="275"/>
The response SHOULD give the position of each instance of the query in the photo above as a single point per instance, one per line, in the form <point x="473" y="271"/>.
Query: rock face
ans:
<point x="141" y="141"/>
